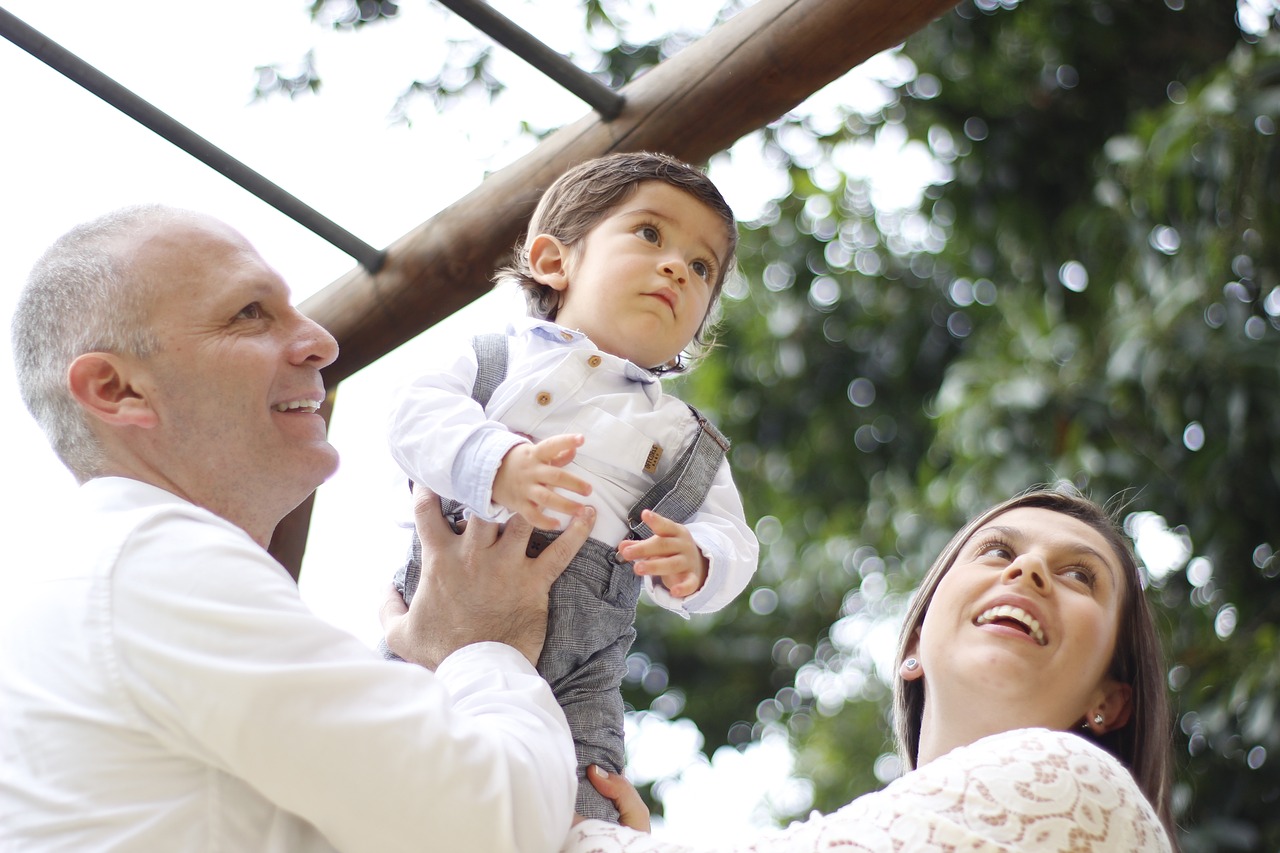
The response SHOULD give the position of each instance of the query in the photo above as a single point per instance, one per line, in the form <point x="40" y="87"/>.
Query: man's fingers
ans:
<point x="427" y="516"/>
<point x="555" y="558"/>
<point x="393" y="607"/>
<point x="483" y="533"/>
<point x="515" y="533"/>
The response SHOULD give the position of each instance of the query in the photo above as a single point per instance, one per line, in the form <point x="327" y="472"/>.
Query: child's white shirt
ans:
<point x="558" y="382"/>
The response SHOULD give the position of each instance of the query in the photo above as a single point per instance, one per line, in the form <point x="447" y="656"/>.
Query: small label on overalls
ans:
<point x="651" y="463"/>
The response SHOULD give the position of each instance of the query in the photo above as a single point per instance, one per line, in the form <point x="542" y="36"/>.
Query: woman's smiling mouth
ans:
<point x="1009" y="614"/>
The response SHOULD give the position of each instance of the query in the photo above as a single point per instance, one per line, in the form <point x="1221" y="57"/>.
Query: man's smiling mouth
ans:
<point x="1007" y="614"/>
<point x="307" y="406"/>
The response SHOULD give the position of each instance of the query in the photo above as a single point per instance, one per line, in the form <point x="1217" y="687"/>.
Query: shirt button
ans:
<point x="566" y="336"/>
<point x="543" y="398"/>
<point x="594" y="361"/>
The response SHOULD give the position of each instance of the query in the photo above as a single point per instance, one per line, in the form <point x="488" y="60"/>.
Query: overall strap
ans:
<point x="491" y="358"/>
<point x="679" y="494"/>
<point x="491" y="369"/>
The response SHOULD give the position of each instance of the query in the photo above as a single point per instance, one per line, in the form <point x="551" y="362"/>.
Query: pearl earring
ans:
<point x="1098" y="719"/>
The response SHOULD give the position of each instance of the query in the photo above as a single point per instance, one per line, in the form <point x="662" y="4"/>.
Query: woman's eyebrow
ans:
<point x="1007" y="532"/>
<point x="1017" y="536"/>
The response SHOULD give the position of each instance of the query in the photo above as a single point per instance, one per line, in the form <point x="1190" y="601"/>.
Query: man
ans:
<point x="162" y="687"/>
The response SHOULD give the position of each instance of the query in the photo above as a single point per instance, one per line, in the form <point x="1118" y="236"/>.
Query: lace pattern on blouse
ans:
<point x="1024" y="790"/>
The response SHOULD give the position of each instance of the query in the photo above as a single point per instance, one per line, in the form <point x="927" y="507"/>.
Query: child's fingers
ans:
<point x="547" y="501"/>
<point x="660" y="524"/>
<point x="558" y="478"/>
<point x="662" y="567"/>
<point x="682" y="585"/>
<point x="648" y="549"/>
<point x="558" y="450"/>
<point x="534" y="514"/>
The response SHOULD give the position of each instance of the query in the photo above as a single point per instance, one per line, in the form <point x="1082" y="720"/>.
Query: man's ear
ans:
<point x="102" y="384"/>
<point x="548" y="261"/>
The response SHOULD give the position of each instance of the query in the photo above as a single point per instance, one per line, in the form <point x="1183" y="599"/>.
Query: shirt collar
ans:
<point x="555" y="333"/>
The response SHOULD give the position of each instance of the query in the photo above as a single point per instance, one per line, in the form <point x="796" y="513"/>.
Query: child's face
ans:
<point x="640" y="282"/>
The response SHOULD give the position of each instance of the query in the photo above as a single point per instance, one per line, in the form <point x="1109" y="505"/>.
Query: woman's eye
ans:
<point x="1080" y="575"/>
<point x="252" y="311"/>
<point x="998" y="551"/>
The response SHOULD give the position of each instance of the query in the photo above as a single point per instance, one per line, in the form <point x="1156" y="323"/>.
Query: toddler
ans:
<point x="622" y="262"/>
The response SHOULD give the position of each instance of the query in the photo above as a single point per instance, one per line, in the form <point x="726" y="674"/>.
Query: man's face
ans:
<point x="236" y="381"/>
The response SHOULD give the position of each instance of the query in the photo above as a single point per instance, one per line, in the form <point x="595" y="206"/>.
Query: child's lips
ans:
<point x="666" y="295"/>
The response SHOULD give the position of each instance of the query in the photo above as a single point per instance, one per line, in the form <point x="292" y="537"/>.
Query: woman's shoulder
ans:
<point x="1036" y="744"/>
<point x="1035" y="788"/>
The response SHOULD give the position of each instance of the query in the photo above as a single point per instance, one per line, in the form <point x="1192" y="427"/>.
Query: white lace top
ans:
<point x="1023" y="790"/>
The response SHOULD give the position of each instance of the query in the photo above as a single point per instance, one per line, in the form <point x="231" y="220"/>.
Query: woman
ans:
<point x="1029" y="704"/>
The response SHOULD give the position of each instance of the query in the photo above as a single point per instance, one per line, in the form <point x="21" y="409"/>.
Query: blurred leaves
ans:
<point x="1092" y="297"/>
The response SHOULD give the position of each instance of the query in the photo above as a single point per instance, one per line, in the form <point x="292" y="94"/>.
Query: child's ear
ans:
<point x="103" y="386"/>
<point x="548" y="261"/>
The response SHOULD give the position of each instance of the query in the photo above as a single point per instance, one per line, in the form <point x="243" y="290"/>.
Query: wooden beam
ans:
<point x="742" y="75"/>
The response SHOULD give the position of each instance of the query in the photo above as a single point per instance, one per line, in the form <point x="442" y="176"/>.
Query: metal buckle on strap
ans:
<point x="706" y="426"/>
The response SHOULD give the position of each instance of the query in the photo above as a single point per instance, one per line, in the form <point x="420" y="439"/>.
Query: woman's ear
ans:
<point x="1113" y="708"/>
<point x="548" y="262"/>
<point x="102" y="383"/>
<point x="911" y="668"/>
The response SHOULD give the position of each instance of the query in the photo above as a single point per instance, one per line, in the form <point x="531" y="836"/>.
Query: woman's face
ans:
<point x="1024" y="624"/>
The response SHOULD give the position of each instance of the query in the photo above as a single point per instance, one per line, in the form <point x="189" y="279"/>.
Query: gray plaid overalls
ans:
<point x="591" y="616"/>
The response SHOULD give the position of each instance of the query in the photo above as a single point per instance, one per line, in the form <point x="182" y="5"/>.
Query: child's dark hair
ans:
<point x="586" y="194"/>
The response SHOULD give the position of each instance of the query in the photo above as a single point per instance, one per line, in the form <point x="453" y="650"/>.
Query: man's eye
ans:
<point x="252" y="311"/>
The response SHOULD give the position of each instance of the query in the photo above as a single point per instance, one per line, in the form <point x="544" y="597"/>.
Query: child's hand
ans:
<point x="530" y="474"/>
<point x="670" y="554"/>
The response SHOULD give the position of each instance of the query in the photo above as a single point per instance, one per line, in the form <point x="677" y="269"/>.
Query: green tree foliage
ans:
<point x="1092" y="296"/>
<point x="1088" y="291"/>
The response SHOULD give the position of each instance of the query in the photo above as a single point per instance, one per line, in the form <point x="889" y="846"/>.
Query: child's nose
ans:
<point x="676" y="270"/>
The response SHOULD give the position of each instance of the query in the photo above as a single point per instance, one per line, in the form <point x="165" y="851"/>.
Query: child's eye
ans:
<point x="648" y="233"/>
<point x="701" y="269"/>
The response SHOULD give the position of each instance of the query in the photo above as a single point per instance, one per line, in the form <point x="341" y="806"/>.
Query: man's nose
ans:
<point x="313" y="344"/>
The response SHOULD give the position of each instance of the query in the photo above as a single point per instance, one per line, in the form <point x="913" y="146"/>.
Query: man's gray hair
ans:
<point x="82" y="295"/>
